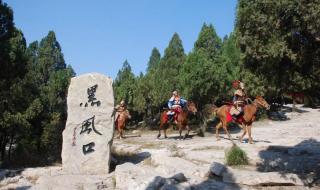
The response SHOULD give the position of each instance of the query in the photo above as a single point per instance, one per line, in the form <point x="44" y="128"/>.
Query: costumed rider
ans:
<point x="238" y="100"/>
<point x="175" y="104"/>
<point x="120" y="108"/>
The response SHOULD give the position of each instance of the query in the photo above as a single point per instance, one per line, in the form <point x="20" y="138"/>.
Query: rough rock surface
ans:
<point x="89" y="130"/>
<point x="70" y="182"/>
<point x="217" y="168"/>
<point x="254" y="178"/>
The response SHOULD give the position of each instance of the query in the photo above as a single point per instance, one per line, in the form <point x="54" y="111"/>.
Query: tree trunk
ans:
<point x="10" y="146"/>
<point x="3" y="146"/>
<point x="1" y="141"/>
<point x="294" y="108"/>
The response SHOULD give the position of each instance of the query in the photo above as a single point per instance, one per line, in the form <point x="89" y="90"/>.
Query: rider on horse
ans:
<point x="120" y="108"/>
<point x="238" y="100"/>
<point x="175" y="104"/>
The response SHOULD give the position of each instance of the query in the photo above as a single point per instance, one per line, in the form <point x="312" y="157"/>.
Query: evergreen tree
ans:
<point x="33" y="84"/>
<point x="124" y="84"/>
<point x="280" y="41"/>
<point x="167" y="76"/>
<point x="154" y="59"/>
<point x="13" y="103"/>
<point x="201" y="76"/>
<point x="52" y="76"/>
<point x="209" y="41"/>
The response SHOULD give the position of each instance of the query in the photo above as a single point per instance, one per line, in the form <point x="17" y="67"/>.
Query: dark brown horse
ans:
<point x="245" y="122"/>
<point x="182" y="120"/>
<point x="121" y="121"/>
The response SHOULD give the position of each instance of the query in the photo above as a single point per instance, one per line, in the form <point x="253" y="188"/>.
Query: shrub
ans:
<point x="236" y="156"/>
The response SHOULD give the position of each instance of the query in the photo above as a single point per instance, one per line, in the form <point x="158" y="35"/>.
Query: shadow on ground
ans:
<point x="302" y="159"/>
<point x="211" y="127"/>
<point x="118" y="159"/>
<point x="287" y="109"/>
<point x="177" y="182"/>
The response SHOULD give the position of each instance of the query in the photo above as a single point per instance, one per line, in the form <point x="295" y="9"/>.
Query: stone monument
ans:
<point x="88" y="134"/>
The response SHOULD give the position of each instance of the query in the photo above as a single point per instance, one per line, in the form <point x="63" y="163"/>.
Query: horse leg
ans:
<point x="119" y="129"/>
<point x="217" y="130"/>
<point x="180" y="131"/>
<point x="187" y="133"/>
<point x="224" y="125"/>
<point x="160" y="127"/>
<point x="121" y="132"/>
<point x="244" y="133"/>
<point x="165" y="133"/>
<point x="249" y="133"/>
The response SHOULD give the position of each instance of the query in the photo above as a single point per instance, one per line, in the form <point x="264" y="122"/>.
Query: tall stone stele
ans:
<point x="88" y="134"/>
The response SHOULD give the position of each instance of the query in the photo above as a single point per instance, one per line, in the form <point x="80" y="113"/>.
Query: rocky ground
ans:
<point x="285" y="155"/>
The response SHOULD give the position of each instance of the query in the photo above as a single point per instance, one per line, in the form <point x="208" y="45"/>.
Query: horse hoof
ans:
<point x="158" y="136"/>
<point x="165" y="137"/>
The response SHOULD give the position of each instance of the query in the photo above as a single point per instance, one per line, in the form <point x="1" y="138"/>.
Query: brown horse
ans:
<point x="121" y="121"/>
<point x="245" y="122"/>
<point x="182" y="120"/>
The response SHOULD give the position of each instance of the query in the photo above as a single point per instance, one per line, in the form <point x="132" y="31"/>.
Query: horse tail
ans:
<point x="156" y="119"/>
<point x="214" y="110"/>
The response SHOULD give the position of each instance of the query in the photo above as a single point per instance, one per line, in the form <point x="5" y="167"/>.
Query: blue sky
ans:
<point x="99" y="35"/>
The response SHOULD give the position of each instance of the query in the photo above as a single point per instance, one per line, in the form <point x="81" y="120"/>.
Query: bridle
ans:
<point x="258" y="103"/>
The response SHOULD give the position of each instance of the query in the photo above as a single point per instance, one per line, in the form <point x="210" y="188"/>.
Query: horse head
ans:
<point x="260" y="101"/>
<point x="192" y="107"/>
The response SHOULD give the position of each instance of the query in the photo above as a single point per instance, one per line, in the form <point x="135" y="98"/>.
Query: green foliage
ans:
<point x="124" y="84"/>
<point x="209" y="41"/>
<point x="236" y="156"/>
<point x="33" y="84"/>
<point x="154" y="59"/>
<point x="165" y="78"/>
<point x="211" y="67"/>
<point x="280" y="41"/>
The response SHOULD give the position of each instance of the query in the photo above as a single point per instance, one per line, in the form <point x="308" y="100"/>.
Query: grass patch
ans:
<point x="236" y="156"/>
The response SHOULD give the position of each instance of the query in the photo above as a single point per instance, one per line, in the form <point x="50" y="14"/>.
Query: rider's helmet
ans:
<point x="122" y="103"/>
<point x="175" y="93"/>
<point x="241" y="85"/>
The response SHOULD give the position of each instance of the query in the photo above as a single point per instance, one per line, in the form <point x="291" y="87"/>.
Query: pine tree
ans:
<point x="280" y="41"/>
<point x="54" y="77"/>
<point x="167" y="75"/>
<point x="209" y="41"/>
<point x="124" y="84"/>
<point x="154" y="59"/>
<point x="201" y="75"/>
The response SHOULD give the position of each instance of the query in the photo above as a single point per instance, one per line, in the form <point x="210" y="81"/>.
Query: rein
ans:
<point x="255" y="103"/>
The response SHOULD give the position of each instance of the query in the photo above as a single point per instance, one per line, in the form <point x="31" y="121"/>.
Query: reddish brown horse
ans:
<point x="182" y="120"/>
<point x="245" y="122"/>
<point x="121" y="121"/>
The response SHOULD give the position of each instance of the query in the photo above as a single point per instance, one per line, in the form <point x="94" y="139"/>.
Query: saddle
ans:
<point x="174" y="116"/>
<point x="229" y="118"/>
